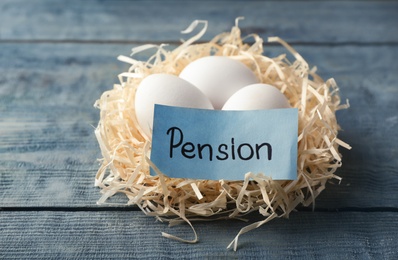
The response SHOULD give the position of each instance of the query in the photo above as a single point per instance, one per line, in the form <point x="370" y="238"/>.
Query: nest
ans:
<point x="126" y="150"/>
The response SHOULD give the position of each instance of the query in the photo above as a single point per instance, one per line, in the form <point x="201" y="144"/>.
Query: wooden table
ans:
<point x="57" y="57"/>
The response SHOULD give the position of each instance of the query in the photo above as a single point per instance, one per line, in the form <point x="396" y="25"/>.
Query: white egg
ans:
<point x="218" y="77"/>
<point x="255" y="97"/>
<point x="165" y="89"/>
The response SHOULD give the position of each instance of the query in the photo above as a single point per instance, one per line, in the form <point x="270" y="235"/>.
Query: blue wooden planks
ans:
<point x="325" y="22"/>
<point x="123" y="234"/>
<point x="56" y="59"/>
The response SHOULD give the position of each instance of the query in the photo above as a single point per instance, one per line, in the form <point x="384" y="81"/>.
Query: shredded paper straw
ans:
<point x="126" y="150"/>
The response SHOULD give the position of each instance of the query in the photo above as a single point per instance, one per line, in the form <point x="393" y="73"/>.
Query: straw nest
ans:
<point x="126" y="150"/>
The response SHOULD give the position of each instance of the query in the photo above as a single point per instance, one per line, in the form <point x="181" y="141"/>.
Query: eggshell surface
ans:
<point x="218" y="77"/>
<point x="255" y="97"/>
<point x="165" y="89"/>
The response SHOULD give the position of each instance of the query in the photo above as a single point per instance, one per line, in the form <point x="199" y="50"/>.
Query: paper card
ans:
<point x="215" y="144"/>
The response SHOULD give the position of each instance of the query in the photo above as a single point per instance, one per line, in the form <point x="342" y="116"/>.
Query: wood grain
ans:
<point x="132" y="235"/>
<point x="324" y="22"/>
<point x="58" y="57"/>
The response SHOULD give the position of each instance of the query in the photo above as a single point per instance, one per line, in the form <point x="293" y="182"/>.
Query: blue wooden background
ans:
<point x="57" y="57"/>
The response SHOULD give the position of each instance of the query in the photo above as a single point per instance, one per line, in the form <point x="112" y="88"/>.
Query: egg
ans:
<point x="165" y="89"/>
<point x="256" y="97"/>
<point x="218" y="77"/>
